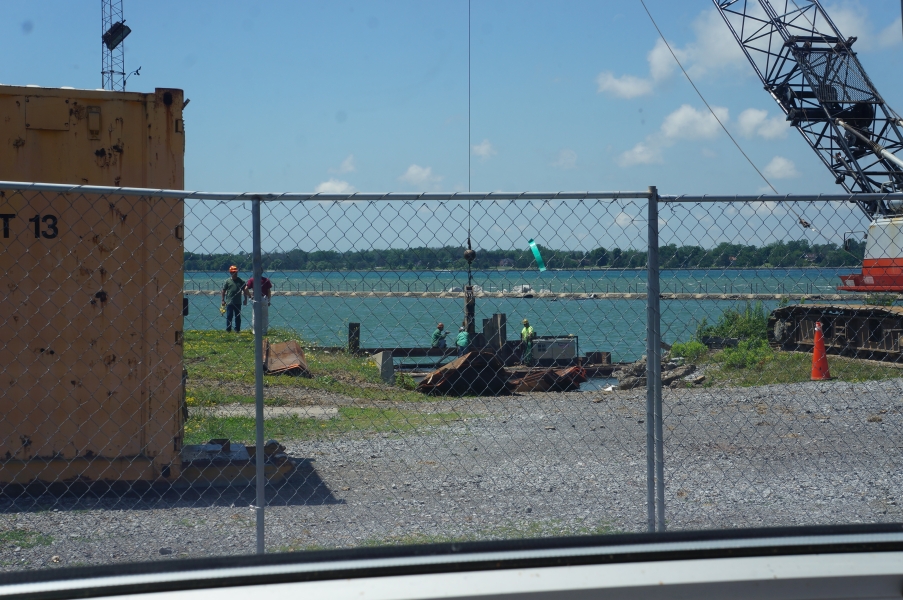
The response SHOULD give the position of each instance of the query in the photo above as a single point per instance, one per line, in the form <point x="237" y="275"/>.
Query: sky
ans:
<point x="375" y="96"/>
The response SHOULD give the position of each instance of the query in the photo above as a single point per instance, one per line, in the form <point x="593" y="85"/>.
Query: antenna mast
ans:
<point x="114" y="31"/>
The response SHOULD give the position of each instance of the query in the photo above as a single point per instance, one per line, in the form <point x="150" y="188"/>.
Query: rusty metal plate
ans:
<point x="47" y="113"/>
<point x="285" y="357"/>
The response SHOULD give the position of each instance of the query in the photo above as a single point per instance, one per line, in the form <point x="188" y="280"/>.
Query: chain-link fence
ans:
<point x="750" y="440"/>
<point x="144" y="415"/>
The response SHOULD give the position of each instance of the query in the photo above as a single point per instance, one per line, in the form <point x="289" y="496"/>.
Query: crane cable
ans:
<point x="469" y="148"/>
<point x="701" y="97"/>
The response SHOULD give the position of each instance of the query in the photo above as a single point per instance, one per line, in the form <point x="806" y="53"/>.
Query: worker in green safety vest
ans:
<point x="527" y="335"/>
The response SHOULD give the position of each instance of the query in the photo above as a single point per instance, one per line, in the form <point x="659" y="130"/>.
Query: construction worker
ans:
<point x="462" y="341"/>
<point x="266" y="287"/>
<point x="231" y="298"/>
<point x="439" y="337"/>
<point x="527" y="335"/>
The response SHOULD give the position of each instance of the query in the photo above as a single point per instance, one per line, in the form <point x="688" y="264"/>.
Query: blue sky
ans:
<point x="373" y="96"/>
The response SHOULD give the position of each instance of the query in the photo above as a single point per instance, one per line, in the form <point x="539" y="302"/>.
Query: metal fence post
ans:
<point x="653" y="368"/>
<point x="258" y="372"/>
<point x="653" y="291"/>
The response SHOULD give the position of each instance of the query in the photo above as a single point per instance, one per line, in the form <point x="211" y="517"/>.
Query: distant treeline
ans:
<point x="777" y="254"/>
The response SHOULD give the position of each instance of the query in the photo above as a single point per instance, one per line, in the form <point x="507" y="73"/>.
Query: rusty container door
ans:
<point x="91" y="351"/>
<point x="92" y="345"/>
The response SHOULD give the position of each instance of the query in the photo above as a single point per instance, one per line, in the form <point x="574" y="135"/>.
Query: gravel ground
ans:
<point x="526" y="465"/>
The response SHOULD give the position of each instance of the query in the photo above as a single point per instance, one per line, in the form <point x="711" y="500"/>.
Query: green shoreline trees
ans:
<point x="778" y="254"/>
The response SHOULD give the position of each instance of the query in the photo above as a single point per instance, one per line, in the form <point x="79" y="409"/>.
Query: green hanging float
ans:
<point x="537" y="255"/>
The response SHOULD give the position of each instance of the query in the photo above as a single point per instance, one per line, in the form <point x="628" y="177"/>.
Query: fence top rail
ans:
<point x="433" y="196"/>
<point x="317" y="197"/>
<point x="783" y="198"/>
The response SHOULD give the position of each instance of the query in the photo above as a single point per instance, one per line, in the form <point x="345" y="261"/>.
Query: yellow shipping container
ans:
<point x="91" y="348"/>
<point x="92" y="137"/>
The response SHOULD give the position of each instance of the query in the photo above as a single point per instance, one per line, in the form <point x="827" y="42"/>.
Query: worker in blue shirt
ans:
<point x="462" y="341"/>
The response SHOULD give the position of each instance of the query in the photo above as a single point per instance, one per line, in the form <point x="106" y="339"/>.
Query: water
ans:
<point x="616" y="326"/>
<point x="594" y="384"/>
<point x="725" y="281"/>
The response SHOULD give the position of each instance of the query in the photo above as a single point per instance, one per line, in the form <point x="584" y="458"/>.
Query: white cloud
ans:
<point x="688" y="123"/>
<point x="347" y="166"/>
<point x="661" y="66"/>
<point x="567" y="159"/>
<point x="484" y="149"/>
<point x="334" y="186"/>
<point x="890" y="35"/>
<point x="852" y="19"/>
<point x="780" y="168"/>
<point x="753" y="121"/>
<point x="625" y="86"/>
<point x="714" y="49"/>
<point x="685" y="123"/>
<point x="643" y="153"/>
<point x="420" y="176"/>
<point x="623" y="219"/>
<point x="661" y="63"/>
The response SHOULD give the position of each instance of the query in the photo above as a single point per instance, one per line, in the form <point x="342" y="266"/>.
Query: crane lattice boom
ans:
<point x="808" y="67"/>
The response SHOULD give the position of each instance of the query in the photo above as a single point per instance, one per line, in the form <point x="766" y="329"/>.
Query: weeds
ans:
<point x="692" y="351"/>
<point x="405" y="381"/>
<point x="750" y="322"/>
<point x="767" y="367"/>
<point x="25" y="538"/>
<point x="747" y="355"/>
<point x="881" y="299"/>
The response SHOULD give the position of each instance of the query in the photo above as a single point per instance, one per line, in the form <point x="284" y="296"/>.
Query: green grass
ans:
<point x="24" y="538"/>
<point x="510" y="531"/>
<point x="200" y="429"/>
<point x="212" y="357"/>
<point x="765" y="367"/>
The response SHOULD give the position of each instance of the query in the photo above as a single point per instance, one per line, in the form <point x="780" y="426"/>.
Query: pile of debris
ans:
<point x="673" y="375"/>
<point x="475" y="373"/>
<point x="483" y="374"/>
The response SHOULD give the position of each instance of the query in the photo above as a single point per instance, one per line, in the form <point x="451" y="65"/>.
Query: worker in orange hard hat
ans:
<point x="439" y="337"/>
<point x="231" y="298"/>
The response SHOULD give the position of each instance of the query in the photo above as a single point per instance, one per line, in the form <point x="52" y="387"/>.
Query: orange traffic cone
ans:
<point x="819" y="358"/>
